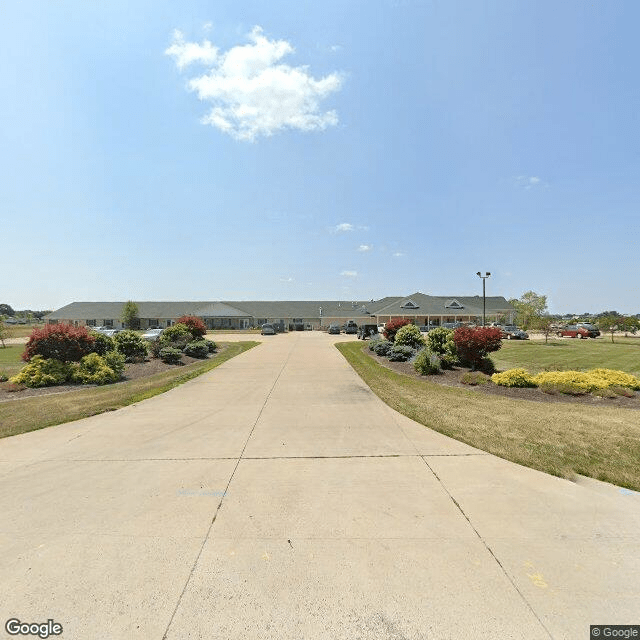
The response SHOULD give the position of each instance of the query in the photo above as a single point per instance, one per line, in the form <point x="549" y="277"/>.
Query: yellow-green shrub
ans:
<point x="617" y="378"/>
<point x="589" y="381"/>
<point x="514" y="378"/>
<point x="93" y="369"/>
<point x="43" y="372"/>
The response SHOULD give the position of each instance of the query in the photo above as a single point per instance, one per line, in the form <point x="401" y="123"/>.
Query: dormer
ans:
<point x="453" y="304"/>
<point x="409" y="304"/>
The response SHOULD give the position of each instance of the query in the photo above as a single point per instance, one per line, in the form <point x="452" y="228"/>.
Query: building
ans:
<point x="420" y="308"/>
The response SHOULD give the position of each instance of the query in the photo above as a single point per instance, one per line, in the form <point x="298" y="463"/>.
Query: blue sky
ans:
<point x="235" y="150"/>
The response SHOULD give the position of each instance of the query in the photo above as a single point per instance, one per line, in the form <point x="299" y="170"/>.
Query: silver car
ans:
<point x="151" y="334"/>
<point x="268" y="330"/>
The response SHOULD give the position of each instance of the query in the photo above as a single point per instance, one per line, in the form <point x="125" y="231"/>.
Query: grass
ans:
<point x="21" y="330"/>
<point x="579" y="355"/>
<point x="560" y="439"/>
<point x="37" y="412"/>
<point x="10" y="359"/>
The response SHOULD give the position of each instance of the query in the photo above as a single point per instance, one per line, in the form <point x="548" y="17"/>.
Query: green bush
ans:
<point x="605" y="393"/>
<point x="514" y="378"/>
<point x="409" y="336"/>
<point x="373" y="343"/>
<point x="170" y="355"/>
<point x="176" y="333"/>
<point x="93" y="369"/>
<point x="383" y="347"/>
<point x="3" y="376"/>
<point x="400" y="353"/>
<point x="102" y="344"/>
<point x="196" y="349"/>
<point x="440" y="341"/>
<point x="131" y="345"/>
<point x="473" y="378"/>
<point x="426" y="363"/>
<point x="568" y="388"/>
<point x="212" y="346"/>
<point x="622" y="391"/>
<point x="116" y="361"/>
<point x="43" y="372"/>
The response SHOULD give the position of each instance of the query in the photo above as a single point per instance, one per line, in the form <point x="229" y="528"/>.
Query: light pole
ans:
<point x="320" y="327"/>
<point x="484" y="297"/>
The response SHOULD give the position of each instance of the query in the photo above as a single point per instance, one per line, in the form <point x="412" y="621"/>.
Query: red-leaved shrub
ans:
<point x="63" y="342"/>
<point x="391" y="328"/>
<point x="474" y="343"/>
<point x="194" y="324"/>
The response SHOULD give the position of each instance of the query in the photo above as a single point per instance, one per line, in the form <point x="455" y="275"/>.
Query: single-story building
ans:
<point x="420" y="308"/>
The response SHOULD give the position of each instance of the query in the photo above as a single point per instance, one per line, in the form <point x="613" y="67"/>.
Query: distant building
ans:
<point x="420" y="308"/>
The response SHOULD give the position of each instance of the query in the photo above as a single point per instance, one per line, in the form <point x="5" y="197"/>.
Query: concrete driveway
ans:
<point x="277" y="497"/>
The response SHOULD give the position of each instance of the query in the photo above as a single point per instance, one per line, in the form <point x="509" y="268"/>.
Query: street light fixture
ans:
<point x="484" y="297"/>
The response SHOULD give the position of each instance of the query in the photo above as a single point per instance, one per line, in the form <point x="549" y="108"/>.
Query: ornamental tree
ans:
<point x="391" y="328"/>
<point x="475" y="343"/>
<point x="129" y="315"/>
<point x="195" y="325"/>
<point x="63" y="342"/>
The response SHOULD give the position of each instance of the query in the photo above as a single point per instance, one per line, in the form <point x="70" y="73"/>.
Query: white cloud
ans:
<point x="528" y="182"/>
<point x="286" y="279"/>
<point x="398" y="254"/>
<point x="365" y="247"/>
<point x="343" y="226"/>
<point x="186" y="53"/>
<point x="207" y="26"/>
<point x="349" y="274"/>
<point x="251" y="92"/>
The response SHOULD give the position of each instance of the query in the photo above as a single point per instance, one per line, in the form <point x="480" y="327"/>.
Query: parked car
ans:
<point x="452" y="325"/>
<point x="511" y="332"/>
<point x="334" y="329"/>
<point x="351" y="327"/>
<point x="268" y="330"/>
<point x="367" y="331"/>
<point x="578" y="331"/>
<point x="591" y="328"/>
<point x="109" y="332"/>
<point x="151" y="334"/>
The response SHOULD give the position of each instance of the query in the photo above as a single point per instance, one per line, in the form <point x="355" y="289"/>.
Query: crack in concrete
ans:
<point x="490" y="550"/>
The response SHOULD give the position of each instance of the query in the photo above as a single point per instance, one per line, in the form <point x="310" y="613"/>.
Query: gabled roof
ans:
<point x="220" y="310"/>
<point x="437" y="305"/>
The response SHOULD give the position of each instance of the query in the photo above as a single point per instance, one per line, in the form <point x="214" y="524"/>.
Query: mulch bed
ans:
<point x="132" y="371"/>
<point x="451" y="378"/>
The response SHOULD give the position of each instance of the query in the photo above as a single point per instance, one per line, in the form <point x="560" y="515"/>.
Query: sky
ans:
<point x="293" y="150"/>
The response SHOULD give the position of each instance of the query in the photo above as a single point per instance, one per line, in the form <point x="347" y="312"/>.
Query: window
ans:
<point x="409" y="304"/>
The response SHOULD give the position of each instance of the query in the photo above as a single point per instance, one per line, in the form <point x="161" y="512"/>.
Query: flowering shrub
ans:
<point x="409" y="335"/>
<point x="63" y="342"/>
<point x="94" y="369"/>
<point x="427" y="363"/>
<point x="195" y="325"/>
<point x="130" y="345"/>
<point x="473" y="344"/>
<point x="440" y="341"/>
<point x="392" y="327"/>
<point x="43" y="372"/>
<point x="514" y="378"/>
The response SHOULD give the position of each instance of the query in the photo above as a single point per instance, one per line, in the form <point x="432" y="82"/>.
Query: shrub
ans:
<point x="568" y="388"/>
<point x="212" y="346"/>
<point x="513" y="378"/>
<point x="116" y="361"/>
<point x="572" y="380"/>
<point x="102" y="344"/>
<point x="440" y="341"/>
<point x="373" y="343"/>
<point x="170" y="355"/>
<point x="473" y="378"/>
<point x="3" y="376"/>
<point x="43" y="372"/>
<point x="197" y="349"/>
<point x="392" y="327"/>
<point x="618" y="378"/>
<point x="62" y="342"/>
<point x="93" y="369"/>
<point x="131" y="346"/>
<point x="383" y="347"/>
<point x="177" y="336"/>
<point x="409" y="335"/>
<point x="473" y="344"/>
<point x="400" y="353"/>
<point x="605" y="393"/>
<point x="195" y="325"/>
<point x="622" y="391"/>
<point x="427" y="363"/>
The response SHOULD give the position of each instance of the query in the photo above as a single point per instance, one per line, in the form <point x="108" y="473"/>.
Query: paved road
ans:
<point x="341" y="519"/>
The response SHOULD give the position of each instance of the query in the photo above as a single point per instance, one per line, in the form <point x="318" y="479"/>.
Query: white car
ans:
<point x="268" y="330"/>
<point x="151" y="334"/>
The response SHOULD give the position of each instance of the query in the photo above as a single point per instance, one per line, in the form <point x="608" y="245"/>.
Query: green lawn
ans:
<point x="10" y="359"/>
<point x="566" y="353"/>
<point x="558" y="438"/>
<point x="31" y="413"/>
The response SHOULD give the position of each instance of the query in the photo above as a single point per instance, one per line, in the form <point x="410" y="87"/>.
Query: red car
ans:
<point x="583" y="330"/>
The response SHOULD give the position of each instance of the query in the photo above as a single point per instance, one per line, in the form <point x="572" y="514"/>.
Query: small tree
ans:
<point x="129" y="315"/>
<point x="543" y="324"/>
<point x="613" y="323"/>
<point x="391" y="328"/>
<point x="3" y="332"/>
<point x="529" y="305"/>
<point x="475" y="343"/>
<point x="194" y="324"/>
